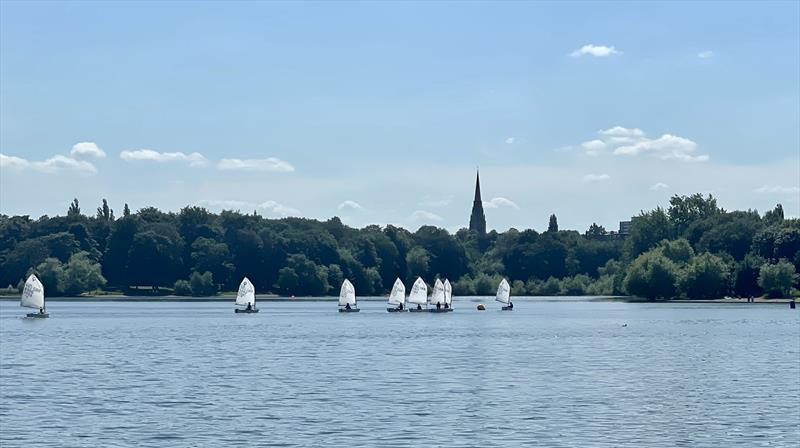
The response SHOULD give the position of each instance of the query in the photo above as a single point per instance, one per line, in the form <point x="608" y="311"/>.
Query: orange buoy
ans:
<point x="481" y="307"/>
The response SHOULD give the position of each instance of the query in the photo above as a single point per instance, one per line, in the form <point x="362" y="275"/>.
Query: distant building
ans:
<point x="477" y="220"/>
<point x="625" y="228"/>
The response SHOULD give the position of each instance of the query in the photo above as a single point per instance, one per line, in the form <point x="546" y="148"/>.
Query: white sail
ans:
<point x="33" y="294"/>
<point x="347" y="295"/>
<point x="503" y="292"/>
<point x="448" y="292"/>
<point x="419" y="292"/>
<point x="398" y="295"/>
<point x="247" y="294"/>
<point x="438" y="293"/>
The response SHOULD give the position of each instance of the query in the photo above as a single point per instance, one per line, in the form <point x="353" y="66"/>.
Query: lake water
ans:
<point x="551" y="373"/>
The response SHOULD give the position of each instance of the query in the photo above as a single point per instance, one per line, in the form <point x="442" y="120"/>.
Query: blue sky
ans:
<point x="380" y="112"/>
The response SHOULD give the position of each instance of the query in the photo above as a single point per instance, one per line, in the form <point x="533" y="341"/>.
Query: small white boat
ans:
<point x="437" y="298"/>
<point x="33" y="297"/>
<point x="504" y="295"/>
<point x="418" y="296"/>
<point x="246" y="298"/>
<point x="347" y="298"/>
<point x="397" y="298"/>
<point x="448" y="295"/>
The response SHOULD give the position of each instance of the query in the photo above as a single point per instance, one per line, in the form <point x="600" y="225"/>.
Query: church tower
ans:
<point x="477" y="221"/>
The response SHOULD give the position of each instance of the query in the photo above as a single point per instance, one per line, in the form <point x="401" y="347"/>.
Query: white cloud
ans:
<point x="422" y="215"/>
<point x="596" y="177"/>
<point x="87" y="149"/>
<point x="194" y="159"/>
<point x="427" y="201"/>
<point x="270" y="206"/>
<point x="269" y="164"/>
<point x="593" y="147"/>
<point x="705" y="54"/>
<point x="632" y="142"/>
<point x="279" y="209"/>
<point x="510" y="140"/>
<point x="500" y="202"/>
<point x="350" y="204"/>
<point x="52" y="165"/>
<point x="777" y="189"/>
<point x="659" y="186"/>
<point x="599" y="51"/>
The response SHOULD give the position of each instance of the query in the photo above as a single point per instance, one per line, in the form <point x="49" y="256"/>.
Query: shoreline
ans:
<point x="475" y="299"/>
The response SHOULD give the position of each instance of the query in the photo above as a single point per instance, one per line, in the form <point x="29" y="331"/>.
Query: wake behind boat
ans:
<point x="397" y="297"/>
<point x="33" y="297"/>
<point x="418" y="296"/>
<point x="347" y="298"/>
<point x="246" y="298"/>
<point x="504" y="295"/>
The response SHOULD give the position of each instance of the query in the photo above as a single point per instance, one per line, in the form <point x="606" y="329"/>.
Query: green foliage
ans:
<point x="647" y="230"/>
<point x="652" y="275"/>
<point x="202" y="285"/>
<point x="552" y="225"/>
<point x="777" y="279"/>
<point x="707" y="276"/>
<point x="80" y="274"/>
<point x="182" y="288"/>
<point x="679" y="251"/>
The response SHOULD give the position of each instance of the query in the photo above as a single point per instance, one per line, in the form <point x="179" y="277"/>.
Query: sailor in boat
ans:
<point x="419" y="307"/>
<point x="400" y="307"/>
<point x="438" y="305"/>
<point x="249" y="306"/>
<point x="510" y="305"/>
<point x="446" y="306"/>
<point x="347" y="306"/>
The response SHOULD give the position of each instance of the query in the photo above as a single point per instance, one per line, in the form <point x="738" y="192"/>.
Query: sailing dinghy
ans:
<point x="246" y="298"/>
<point x="418" y="296"/>
<point x="448" y="296"/>
<point x="347" y="298"/>
<point x="397" y="297"/>
<point x="504" y="295"/>
<point x="437" y="298"/>
<point x="33" y="297"/>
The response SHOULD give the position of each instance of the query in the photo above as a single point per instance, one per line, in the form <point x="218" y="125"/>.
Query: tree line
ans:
<point x="692" y="249"/>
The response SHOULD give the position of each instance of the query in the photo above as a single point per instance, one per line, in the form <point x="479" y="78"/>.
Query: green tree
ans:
<point x="417" y="261"/>
<point x="81" y="274"/>
<point x="596" y="231"/>
<point x="652" y="275"/>
<point x="154" y="259"/>
<point x="647" y="230"/>
<point x="74" y="210"/>
<point x="182" y="288"/>
<point x="211" y="256"/>
<point x="679" y="251"/>
<point x="126" y="211"/>
<point x="104" y="212"/>
<point x="684" y="210"/>
<point x="202" y="285"/>
<point x="707" y="276"/>
<point x="777" y="279"/>
<point x="552" y="226"/>
<point x="51" y="274"/>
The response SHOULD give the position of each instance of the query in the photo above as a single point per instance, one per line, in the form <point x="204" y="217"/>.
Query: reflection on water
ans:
<point x="301" y="374"/>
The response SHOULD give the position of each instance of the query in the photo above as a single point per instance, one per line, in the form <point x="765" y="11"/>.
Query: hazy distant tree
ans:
<point x="596" y="231"/>
<point x="552" y="226"/>
<point x="104" y="212"/>
<point x="74" y="209"/>
<point x="126" y="211"/>
<point x="775" y="215"/>
<point x="417" y="261"/>
<point x="212" y="256"/>
<point x="777" y="279"/>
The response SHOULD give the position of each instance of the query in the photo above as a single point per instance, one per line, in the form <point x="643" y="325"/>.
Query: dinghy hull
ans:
<point x="434" y="310"/>
<point x="237" y="311"/>
<point x="351" y="310"/>
<point x="38" y="315"/>
<point x="508" y="308"/>
<point x="395" y="310"/>
<point x="414" y="310"/>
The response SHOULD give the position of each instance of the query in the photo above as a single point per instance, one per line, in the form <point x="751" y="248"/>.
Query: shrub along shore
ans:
<point x="691" y="250"/>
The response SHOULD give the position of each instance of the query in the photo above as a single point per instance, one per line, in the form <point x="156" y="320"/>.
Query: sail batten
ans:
<point x="33" y="293"/>
<point x="398" y="294"/>
<point x="503" y="292"/>
<point x="419" y="292"/>
<point x="246" y="294"/>
<point x="347" y="295"/>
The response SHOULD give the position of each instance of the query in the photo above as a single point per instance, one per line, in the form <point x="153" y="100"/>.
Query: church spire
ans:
<point x="477" y="220"/>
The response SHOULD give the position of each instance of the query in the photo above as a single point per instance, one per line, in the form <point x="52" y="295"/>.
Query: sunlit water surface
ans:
<point x="550" y="373"/>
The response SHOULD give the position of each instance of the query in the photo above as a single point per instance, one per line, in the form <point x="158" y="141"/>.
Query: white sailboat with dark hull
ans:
<point x="347" y="298"/>
<point x="504" y="295"/>
<point x="448" y="295"/>
<point x="246" y="298"/>
<point x="436" y="300"/>
<point x="418" y="296"/>
<point x="33" y="297"/>
<point x="397" y="298"/>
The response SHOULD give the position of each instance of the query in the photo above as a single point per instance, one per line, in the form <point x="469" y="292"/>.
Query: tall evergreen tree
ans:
<point x="553" y="225"/>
